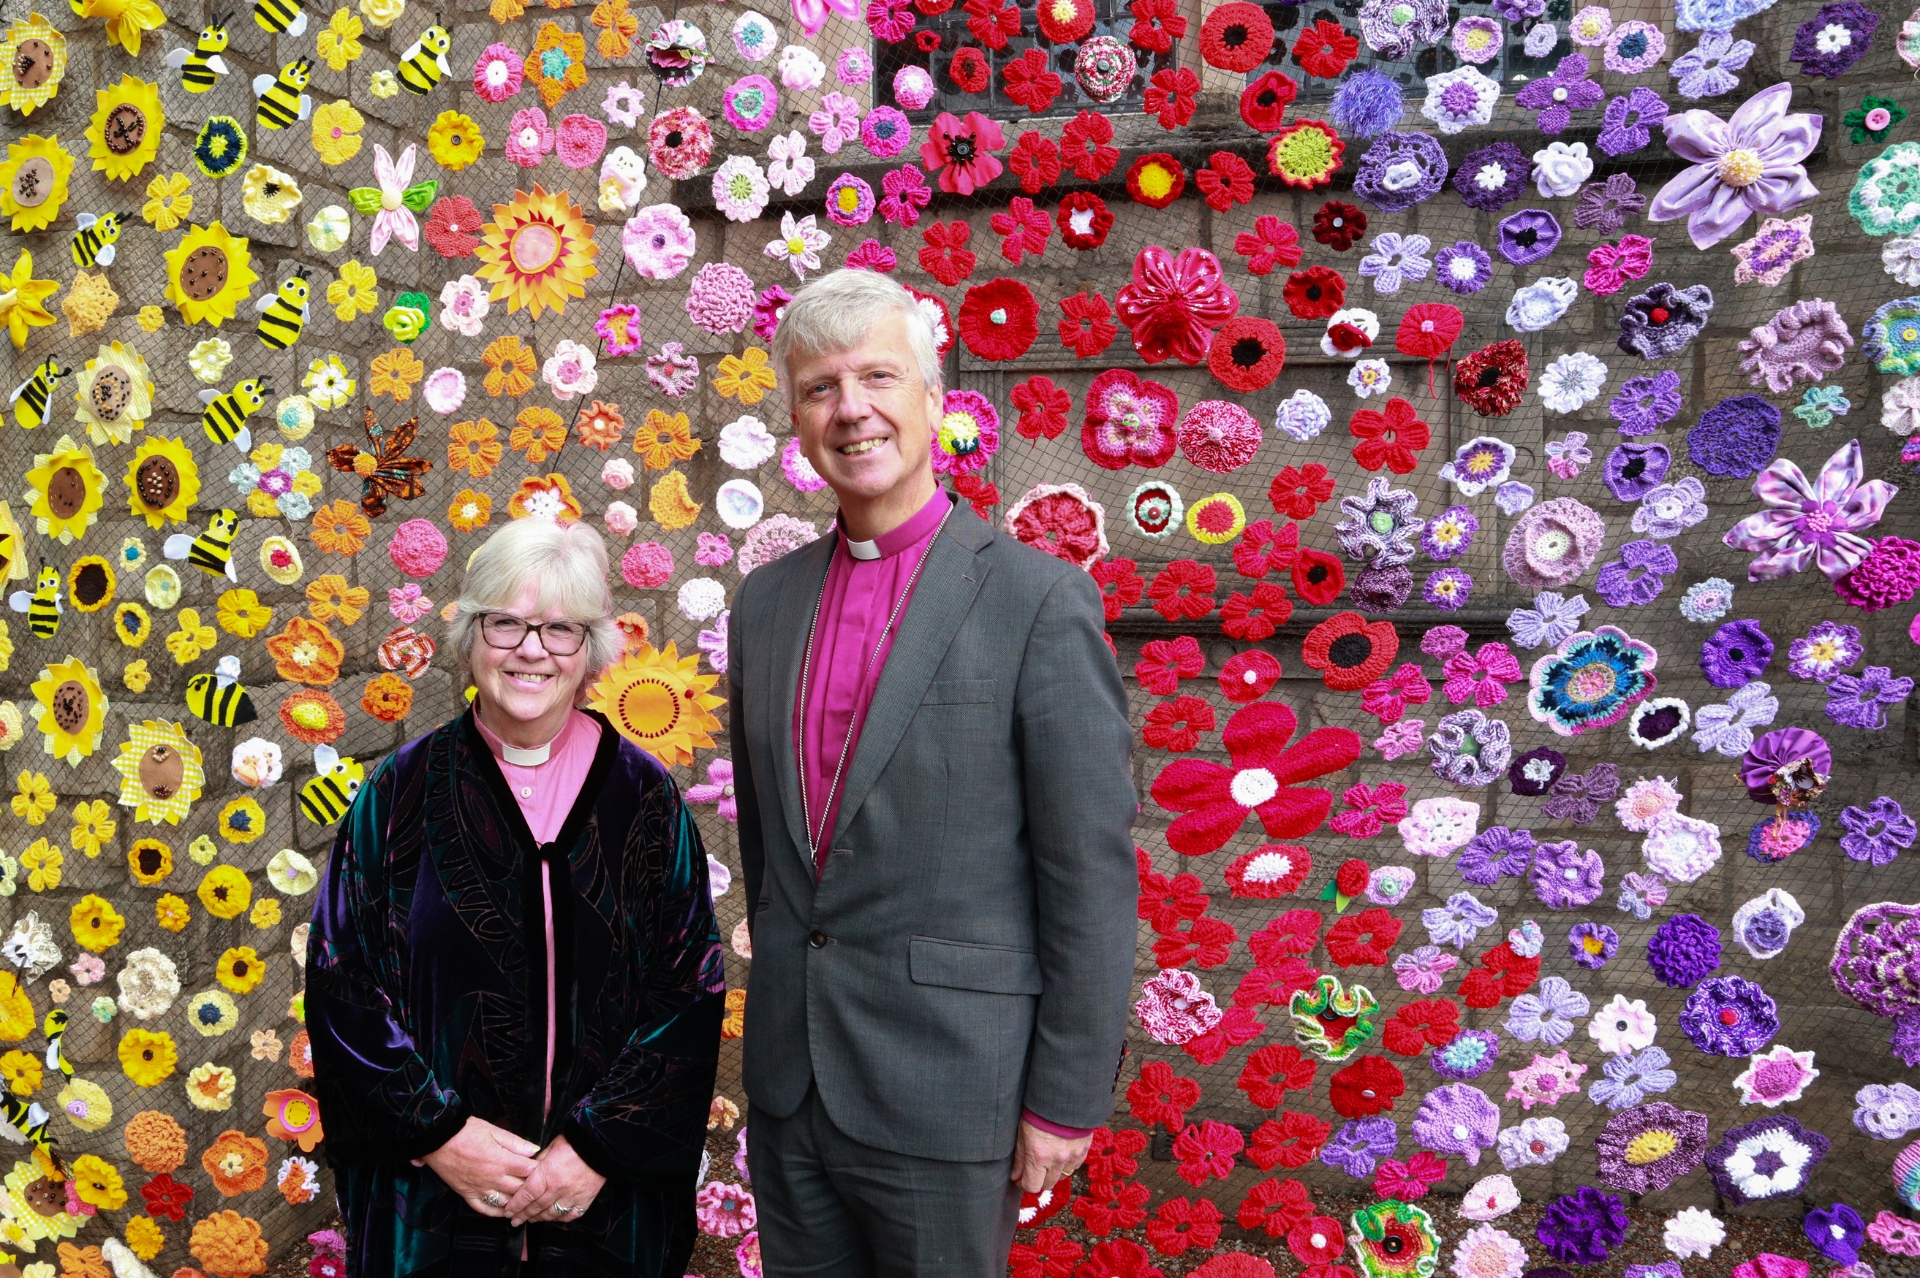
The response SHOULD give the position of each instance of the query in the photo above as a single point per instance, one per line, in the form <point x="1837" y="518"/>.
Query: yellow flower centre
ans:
<point x="1740" y="167"/>
<point x="1650" y="1147"/>
<point x="796" y="247"/>
<point x="1592" y="945"/>
<point x="1155" y="182"/>
<point x="305" y="654"/>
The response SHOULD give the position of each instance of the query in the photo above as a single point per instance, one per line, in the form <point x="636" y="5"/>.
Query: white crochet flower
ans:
<point x="1622" y="1027"/>
<point x="148" y="984"/>
<point x="1646" y="801"/>
<point x="746" y="443"/>
<point x="1572" y="381"/>
<point x="1540" y="305"/>
<point x="1533" y="1142"/>
<point x="1900" y="407"/>
<point x="1560" y="167"/>
<point x="1693" y="1233"/>
<point x="1681" y="848"/>
<point x="701" y="599"/>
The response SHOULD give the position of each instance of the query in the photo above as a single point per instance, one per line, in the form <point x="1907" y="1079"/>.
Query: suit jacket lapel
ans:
<point x="786" y="647"/>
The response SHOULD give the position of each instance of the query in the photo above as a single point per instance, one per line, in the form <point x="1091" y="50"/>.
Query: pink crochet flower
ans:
<point x="1174" y="1008"/>
<point x="496" y="76"/>
<point x="407" y="603"/>
<point x="1545" y="1081"/>
<point x="1483" y="677"/>
<point x="1424" y="971"/>
<point x="529" y="140"/>
<point x="1895" y="1234"/>
<point x="723" y="1210"/>
<point x="715" y="550"/>
<point x="581" y="141"/>
<point x="718" y="790"/>
<point x="836" y="123"/>
<point x="1400" y="738"/>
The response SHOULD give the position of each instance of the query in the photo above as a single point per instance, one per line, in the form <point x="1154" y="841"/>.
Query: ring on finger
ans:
<point x="493" y="1198"/>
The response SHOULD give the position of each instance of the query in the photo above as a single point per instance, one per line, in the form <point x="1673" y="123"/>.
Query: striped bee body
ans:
<point x="202" y="66"/>
<point x="218" y="698"/>
<point x="226" y="417"/>
<point x="425" y="62"/>
<point x="284" y="313"/>
<point x="212" y="551"/>
<point x="281" y="99"/>
<point x="43" y="606"/>
<point x="280" y="16"/>
<point x="30" y="398"/>
<point x="95" y="240"/>
<point x="326" y="798"/>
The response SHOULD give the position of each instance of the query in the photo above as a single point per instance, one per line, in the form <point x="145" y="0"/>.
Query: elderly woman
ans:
<point x="514" y="981"/>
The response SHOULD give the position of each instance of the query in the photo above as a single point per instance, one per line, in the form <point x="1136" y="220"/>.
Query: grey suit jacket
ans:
<point x="969" y="948"/>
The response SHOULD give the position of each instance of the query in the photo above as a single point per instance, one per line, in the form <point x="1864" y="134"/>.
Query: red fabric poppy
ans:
<point x="453" y="226"/>
<point x="1156" y="25"/>
<point x="1318" y="1241"/>
<point x="1500" y="974"/>
<point x="1275" y="1206"/>
<point x="945" y="254"/>
<point x="1325" y="48"/>
<point x="1183" y="590"/>
<point x="999" y="319"/>
<point x="1272" y="242"/>
<point x="1428" y="1022"/>
<point x="1391" y="438"/>
<point x="1236" y="1028"/>
<point x="1043" y="411"/>
<point x="993" y="22"/>
<point x="1297" y="493"/>
<point x="1156" y="180"/>
<point x="1206" y="1151"/>
<point x="1366" y="938"/>
<point x="1051" y="1254"/>
<point x="1492" y="379"/>
<point x="1236" y="37"/>
<point x="1112" y="1155"/>
<point x="1084" y="146"/>
<point x="1366" y="1087"/>
<point x="1247" y="353"/>
<point x="1315" y="293"/>
<point x="1084" y="220"/>
<point x="1263" y="103"/>
<point x="1165" y="662"/>
<point x="1226" y="181"/>
<point x="1251" y="618"/>
<point x="1215" y="800"/>
<point x="1064" y="21"/>
<point x="1318" y="577"/>
<point x="1349" y="651"/>
<point x="1280" y="152"/>
<point x="960" y="153"/>
<point x="1160" y="1097"/>
<point x="1371" y="808"/>
<point x="1174" y="726"/>
<point x="1086" y="325"/>
<point x="1339" y="226"/>
<point x="1029" y="82"/>
<point x="1387" y="699"/>
<point x="1035" y="161"/>
<point x="1116" y="1204"/>
<point x="1036" y="1209"/>
<point x="1023" y="229"/>
<point x="1428" y="330"/>
<point x="166" y="1198"/>
<point x="980" y="494"/>
<point x="1273" y="1071"/>
<point x="968" y="69"/>
<point x="1172" y="95"/>
<point x="1263" y="550"/>
<point x="926" y="41"/>
<point x="1173" y="303"/>
<point x="1248" y="676"/>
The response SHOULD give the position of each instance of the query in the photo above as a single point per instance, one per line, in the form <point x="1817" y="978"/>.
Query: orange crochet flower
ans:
<point x="388" y="698"/>
<point x="748" y="376"/>
<point x="505" y="11"/>
<point x="537" y="432"/>
<point x="474" y="447"/>
<point x="237" y="1162"/>
<point x="601" y="424"/>
<point x="395" y="373"/>
<point x="617" y="28"/>
<point x="510" y="363"/>
<point x="571" y="62"/>
<point x="155" y="1141"/>
<point x="548" y="496"/>
<point x="340" y="529"/>
<point x="330" y="596"/>
<point x="470" y="510"/>
<point x="307" y="652"/>
<point x="313" y="716"/>
<point x="228" y="1244"/>
<point x="82" y="1262"/>
<point x="664" y="440"/>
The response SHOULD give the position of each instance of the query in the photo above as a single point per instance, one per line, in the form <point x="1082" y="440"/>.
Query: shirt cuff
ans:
<point x="1055" y="1129"/>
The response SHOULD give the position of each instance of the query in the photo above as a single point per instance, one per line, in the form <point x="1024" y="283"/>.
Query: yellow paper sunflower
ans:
<point x="23" y="300"/>
<point x="209" y="274"/>
<point x="113" y="394"/>
<point x="33" y="61"/>
<point x="33" y="181"/>
<point x="660" y="701"/>
<point x="66" y="491"/>
<point x="162" y="481"/>
<point x="537" y="252"/>
<point x="72" y="710"/>
<point x="125" y="19"/>
<point x="160" y="772"/>
<point x="124" y="135"/>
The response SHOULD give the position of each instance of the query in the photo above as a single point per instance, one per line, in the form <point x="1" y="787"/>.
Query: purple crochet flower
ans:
<point x="1861" y="701"/>
<point x="1400" y="170"/>
<point x="1836" y="1232"/>
<point x="1449" y="534"/>
<point x="1878" y="832"/>
<point x="1492" y="177"/>
<point x="1592" y="944"/>
<point x="1774" y="839"/>
<point x="1358" y="1145"/>
<point x="1528" y="236"/>
<point x="1457" y="1119"/>
<point x="1707" y="71"/>
<point x="1463" y="267"/>
<point x="1736" y="653"/>
<point x="1577" y="798"/>
<point x="1519" y="10"/>
<point x="1730" y="1016"/>
<point x="1646" y="403"/>
<point x="1582" y="1228"/>
<point x="1470" y="1054"/>
<point x="1665" y="1269"/>
<point x="1564" y="877"/>
<point x="1637" y="577"/>
<point x="1667" y="510"/>
<point x="1626" y="1080"/>
<point x="1557" y="96"/>
<point x="1629" y="121"/>
<point x="1683" y="950"/>
<point x="1634" y="470"/>
<point x="1536" y="771"/>
<point x="1641" y="894"/>
<point x="1832" y="40"/>
<point x="1376" y="588"/>
<point x="1825" y="651"/>
<point x="1772" y="1157"/>
<point x="1496" y="853"/>
<point x="1604" y="206"/>
<point x="1737" y="436"/>
<point x="1660" y="322"/>
<point x="1448" y="588"/>
<point x="1818" y="521"/>
<point x="1636" y="1166"/>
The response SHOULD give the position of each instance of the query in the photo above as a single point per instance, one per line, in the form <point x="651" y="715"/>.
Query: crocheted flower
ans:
<point x="1470" y="750"/>
<point x="1683" y="950"/>
<point x="1457" y="1119"/>
<point x="1129" y="421"/>
<point x="1877" y="833"/>
<point x="1648" y="1147"/>
<point x="1772" y="1157"/>
<point x="1888" y="575"/>
<point x="1394" y="1239"/>
<point x="1729" y="1016"/>
<point x="1214" y="801"/>
<point x="1401" y="169"/>
<point x="1775" y="1077"/>
<point x="1834" y="38"/>
<point x="1707" y="70"/>
<point x="1390" y="438"/>
<point x="1752" y="161"/>
<point x="1659" y="323"/>
<point x="1583" y="1227"/>
<point x="1460" y="99"/>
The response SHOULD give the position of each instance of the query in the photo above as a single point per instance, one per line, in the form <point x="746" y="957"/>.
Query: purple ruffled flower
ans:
<point x="1519" y="10"/>
<point x="1832" y="40"/>
<point x="1836" y="1232"/>
<point x="1660" y="322"/>
<point x="1683" y="950"/>
<point x="1641" y="894"/>
<point x="1470" y="1054"/>
<point x="1400" y="170"/>
<point x="1629" y="121"/>
<point x="1492" y="177"/>
<point x="1735" y="654"/>
<point x="1496" y="853"/>
<point x="1825" y="651"/>
<point x="1592" y="944"/>
<point x="1557" y="96"/>
<point x="1564" y="877"/>
<point x="1470" y="749"/>
<point x="1357" y="1147"/>
<point x="1463" y="267"/>
<point x="1634" y="470"/>
<point x="1730" y="1016"/>
<point x="1667" y="510"/>
<point x="1457" y="1119"/>
<point x="1878" y="832"/>
<point x="1604" y="206"/>
<point x="1665" y="1269"/>
<point x="1644" y="404"/>
<point x="1638" y="576"/>
<point x="1528" y="236"/>
<point x="1377" y="588"/>
<point x="1583" y="1228"/>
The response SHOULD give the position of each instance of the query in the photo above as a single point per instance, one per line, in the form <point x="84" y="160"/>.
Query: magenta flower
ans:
<point x="1818" y="522"/>
<point x="1753" y="160"/>
<point x="718" y="789"/>
<point x="960" y="152"/>
<point x="1482" y="677"/>
<point x="905" y="192"/>
<point x="1174" y="303"/>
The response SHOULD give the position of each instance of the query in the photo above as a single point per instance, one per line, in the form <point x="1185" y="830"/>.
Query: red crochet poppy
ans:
<point x="1262" y="550"/>
<point x="1043" y="409"/>
<point x="1084" y="146"/>
<point x="1290" y="1142"/>
<point x="1251" y="618"/>
<point x="1248" y="676"/>
<point x="980" y="494"/>
<point x="1205" y="1151"/>
<point x="1207" y="941"/>
<point x="1325" y="48"/>
<point x="1263" y="104"/>
<point x="1156" y="180"/>
<point x="1428" y="1022"/>
<point x="1390" y="438"/>
<point x="1297" y="493"/>
<point x="968" y="69"/>
<point x="453" y="226"/>
<point x="1065" y="21"/>
<point x="1247" y="353"/>
<point x="1173" y="303"/>
<point x="1236" y="37"/>
<point x="1273" y="1071"/>
<point x="1112" y="1204"/>
<point x="1035" y="161"/>
<point x="1156" y="25"/>
<point x="1227" y="181"/>
<point x="1023" y="230"/>
<point x="1339" y="226"/>
<point x="1272" y="242"/>
<point x="166" y="1197"/>
<point x="1275" y="1206"/>
<point x="1086" y="326"/>
<point x="1215" y="800"/>
<point x="1174" y="726"/>
<point x="946" y="256"/>
<point x="1349" y="651"/>
<point x="1318" y="577"/>
<point x="1290" y="935"/>
<point x="999" y="319"/>
<point x="932" y="8"/>
<point x="1364" y="938"/>
<point x="1183" y="590"/>
<point x="1166" y="900"/>
<point x="926" y="41"/>
<point x="1172" y="95"/>
<point x="1036" y="1209"/>
<point x="1165" y="662"/>
<point x="1236" y="1028"/>
<point x="1318" y="1241"/>
<point x="1084" y="220"/>
<point x="992" y="22"/>
<point x="1111" y="1156"/>
<point x="1315" y="293"/>
<point x="1501" y="974"/>
<point x="1366" y="1087"/>
<point x="1274" y="984"/>
<point x="1371" y="808"/>
<point x="1492" y="379"/>
<point x="1029" y="82"/>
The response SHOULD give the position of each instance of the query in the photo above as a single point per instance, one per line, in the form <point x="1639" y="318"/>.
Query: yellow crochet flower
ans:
<point x="35" y="802"/>
<point x="96" y="924"/>
<point x="330" y="597"/>
<point x="670" y="504"/>
<point x="240" y="969"/>
<point x="328" y="383"/>
<point x="89" y="304"/>
<point x="225" y="892"/>
<point x="93" y="825"/>
<point x="148" y="1056"/>
<point x="242" y="820"/>
<point x="136" y="675"/>
<point x="21" y="1072"/>
<point x="266" y="913"/>
<point x="98" y="1184"/>
<point x="455" y="140"/>
<point x="394" y="373"/>
<point x="171" y="913"/>
<point x="383" y="84"/>
<point x="747" y="377"/>
<point x="144" y="1237"/>
<point x="355" y="293"/>
<point x="191" y="640"/>
<point x="338" y="43"/>
<point x="151" y="319"/>
<point x="336" y="132"/>
<point x="42" y="862"/>
<point x="241" y="613"/>
<point x="169" y="201"/>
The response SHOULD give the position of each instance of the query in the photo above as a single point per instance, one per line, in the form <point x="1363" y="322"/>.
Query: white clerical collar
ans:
<point x="862" y="549"/>
<point x="526" y="758"/>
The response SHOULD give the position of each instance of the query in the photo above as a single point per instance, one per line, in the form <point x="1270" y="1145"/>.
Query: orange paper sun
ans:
<point x="537" y="252"/>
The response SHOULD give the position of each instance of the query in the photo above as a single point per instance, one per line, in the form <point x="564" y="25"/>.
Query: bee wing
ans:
<point x="105" y="256"/>
<point x="208" y="395"/>
<point x="263" y="82"/>
<point x="233" y="574"/>
<point x="178" y="546"/>
<point x="264" y="301"/>
<point x="217" y="65"/>
<point x="306" y="312"/>
<point x="244" y="442"/>
<point x="325" y="759"/>
<point x="298" y="26"/>
<point x="227" y="670"/>
<point x="21" y="601"/>
<point x="176" y="59"/>
<point x="306" y="106"/>
<point x="21" y="389"/>
<point x="86" y="220"/>
<point x="412" y="52"/>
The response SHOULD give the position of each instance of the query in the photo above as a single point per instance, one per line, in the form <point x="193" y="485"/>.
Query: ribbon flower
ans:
<point x="813" y="14"/>
<point x="1755" y="159"/>
<point x="1818" y="522"/>
<point x="393" y="203"/>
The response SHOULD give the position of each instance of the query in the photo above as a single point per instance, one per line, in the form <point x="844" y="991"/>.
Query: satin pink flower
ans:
<point x="1817" y="522"/>
<point x="1753" y="160"/>
<point x="960" y="152"/>
<point x="1174" y="303"/>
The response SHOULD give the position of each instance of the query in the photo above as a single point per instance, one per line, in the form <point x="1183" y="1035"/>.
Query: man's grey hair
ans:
<point x="569" y="562"/>
<point x="836" y="311"/>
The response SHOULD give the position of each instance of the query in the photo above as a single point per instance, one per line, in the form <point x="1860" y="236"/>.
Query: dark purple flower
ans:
<point x="1774" y="839"/>
<point x="1497" y="852"/>
<point x="1358" y="1145"/>
<point x="1737" y="436"/>
<point x="1730" y="1016"/>
<point x="1377" y="589"/>
<point x="1646" y="403"/>
<point x="1878" y="832"/>
<point x="1629" y="121"/>
<point x="1528" y="236"/>
<point x="1448" y="588"/>
<point x="1661" y="321"/>
<point x="1683" y="950"/>
<point x="1470" y="1054"/>
<point x="1604" y="206"/>
<point x="1578" y="796"/>
<point x="1592" y="944"/>
<point x="1832" y="40"/>
<point x="1686" y="1145"/>
<point x="1463" y="267"/>
<point x="1634" y="470"/>
<point x="1836" y="1232"/>
<point x="1862" y="701"/>
<point x="1492" y="177"/>
<point x="1564" y="877"/>
<point x="1378" y="178"/>
<point x="1763" y="1170"/>
<point x="1535" y="771"/>
<point x="1736" y="653"/>
<point x="1583" y="1227"/>
<point x="1557" y="96"/>
<point x="1637" y="576"/>
<point x="1519" y="10"/>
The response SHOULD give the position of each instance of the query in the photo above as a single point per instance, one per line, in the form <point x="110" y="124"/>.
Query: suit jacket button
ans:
<point x="817" y="939"/>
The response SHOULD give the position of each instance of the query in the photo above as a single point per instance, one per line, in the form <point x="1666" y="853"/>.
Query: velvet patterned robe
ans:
<point x="426" y="1000"/>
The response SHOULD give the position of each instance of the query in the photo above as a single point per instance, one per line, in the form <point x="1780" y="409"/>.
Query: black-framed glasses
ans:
<point x="557" y="638"/>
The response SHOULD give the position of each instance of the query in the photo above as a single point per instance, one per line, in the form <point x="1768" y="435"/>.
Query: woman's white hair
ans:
<point x="569" y="562"/>
<point x="836" y="312"/>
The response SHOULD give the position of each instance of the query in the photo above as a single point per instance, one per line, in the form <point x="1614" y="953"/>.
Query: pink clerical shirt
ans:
<point x="866" y="582"/>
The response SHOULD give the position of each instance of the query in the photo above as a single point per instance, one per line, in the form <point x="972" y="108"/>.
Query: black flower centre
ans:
<point x="1489" y="378"/>
<point x="1349" y="651"/>
<point x="1248" y="352"/>
<point x="1526" y="237"/>
<point x="1234" y="36"/>
<point x="675" y="138"/>
<point x="961" y="149"/>
<point x="1634" y="468"/>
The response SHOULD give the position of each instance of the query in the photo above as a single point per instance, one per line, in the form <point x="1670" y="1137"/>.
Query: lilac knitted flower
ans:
<point x="1832" y="40"/>
<point x="1463" y="267"/>
<point x="1637" y="576"/>
<point x="1457" y="1119"/>
<point x="1582" y="1228"/>
<point x="1376" y="588"/>
<point x="1629" y="120"/>
<point x="1665" y="1269"/>
<point x="1825" y="651"/>
<point x="1735" y="654"/>
<point x="1358" y="1145"/>
<point x="1495" y="853"/>
<point x="1634" y="470"/>
<point x="1458" y="921"/>
<point x="1470" y="1054"/>
<point x="1554" y="98"/>
<point x="1492" y="177"/>
<point x="1604" y="206"/>
<point x="1400" y="170"/>
<point x="1631" y="1163"/>
<point x="1878" y="832"/>
<point x="1730" y="1016"/>
<point x="1519" y="10"/>
<point x="1592" y="944"/>
<point x="1546" y="1015"/>
<point x="1773" y="1157"/>
<point x="1470" y="749"/>
<point x="1886" y="1111"/>
<point x="1627" y="1080"/>
<point x="1707" y="70"/>
<point x="1564" y="877"/>
<point x="1578" y="797"/>
<point x="1646" y="403"/>
<point x="1528" y="236"/>
<point x="1641" y="894"/>
<point x="1670" y="509"/>
<point x="1737" y="436"/>
<point x="1658" y="323"/>
<point x="1861" y="701"/>
<point x="1683" y="950"/>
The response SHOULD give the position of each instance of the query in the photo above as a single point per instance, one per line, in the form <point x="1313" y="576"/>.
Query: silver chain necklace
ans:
<point x="806" y="669"/>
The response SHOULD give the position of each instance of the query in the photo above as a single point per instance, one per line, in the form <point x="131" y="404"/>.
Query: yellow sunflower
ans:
<point x="225" y="892"/>
<point x="537" y="252"/>
<point x="33" y="61"/>
<point x="160" y="772"/>
<point x="124" y="135"/>
<point x="22" y="299"/>
<point x="72" y="712"/>
<point x="242" y="820"/>
<point x="33" y="181"/>
<point x="209" y="274"/>
<point x="90" y="583"/>
<point x="660" y="702"/>
<point x="455" y="140"/>
<point x="96" y="924"/>
<point x="162" y="481"/>
<point x="150" y="861"/>
<point x="148" y="1056"/>
<point x="240" y="969"/>
<point x="67" y="489"/>
<point x="113" y="394"/>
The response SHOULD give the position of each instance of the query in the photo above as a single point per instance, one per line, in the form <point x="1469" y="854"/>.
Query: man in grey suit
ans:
<point x="930" y="747"/>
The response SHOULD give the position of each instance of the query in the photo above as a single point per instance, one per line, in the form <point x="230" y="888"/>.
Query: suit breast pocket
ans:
<point x="961" y="692"/>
